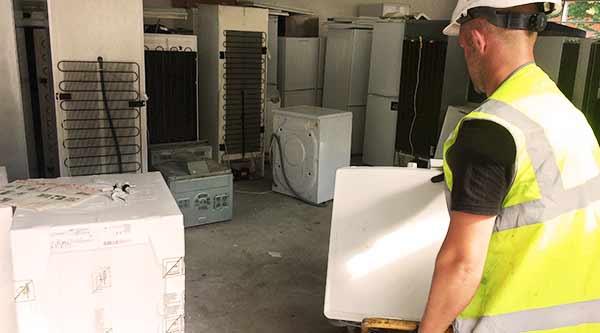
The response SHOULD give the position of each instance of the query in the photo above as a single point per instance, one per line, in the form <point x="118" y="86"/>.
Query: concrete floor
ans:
<point x="234" y="285"/>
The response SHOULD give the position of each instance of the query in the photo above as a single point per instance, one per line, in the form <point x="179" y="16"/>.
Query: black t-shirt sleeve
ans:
<point x="482" y="161"/>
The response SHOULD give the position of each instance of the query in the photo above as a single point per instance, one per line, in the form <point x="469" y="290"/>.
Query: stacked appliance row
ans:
<point x="416" y="72"/>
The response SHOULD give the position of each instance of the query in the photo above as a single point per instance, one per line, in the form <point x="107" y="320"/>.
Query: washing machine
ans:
<point x="313" y="142"/>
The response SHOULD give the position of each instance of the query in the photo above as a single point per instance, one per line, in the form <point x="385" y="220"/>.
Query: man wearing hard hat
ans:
<point x="522" y="253"/>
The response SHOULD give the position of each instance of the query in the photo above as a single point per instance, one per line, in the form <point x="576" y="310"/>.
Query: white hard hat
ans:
<point x="463" y="6"/>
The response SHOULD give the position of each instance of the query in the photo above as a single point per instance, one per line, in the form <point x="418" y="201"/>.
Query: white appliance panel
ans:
<point x="386" y="229"/>
<point x="380" y="131"/>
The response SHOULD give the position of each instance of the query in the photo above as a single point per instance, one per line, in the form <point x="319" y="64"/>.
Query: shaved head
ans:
<point x="491" y="51"/>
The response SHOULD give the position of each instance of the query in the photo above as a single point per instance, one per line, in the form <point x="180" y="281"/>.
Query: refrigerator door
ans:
<point x="361" y="61"/>
<point x="300" y="97"/>
<point x="358" y="128"/>
<point x="380" y="131"/>
<point x="386" y="59"/>
<point x="298" y="63"/>
<point x="338" y="60"/>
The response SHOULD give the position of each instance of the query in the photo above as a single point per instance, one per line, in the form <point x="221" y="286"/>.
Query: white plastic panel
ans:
<point x="386" y="59"/>
<point x="384" y="239"/>
<point x="380" y="131"/>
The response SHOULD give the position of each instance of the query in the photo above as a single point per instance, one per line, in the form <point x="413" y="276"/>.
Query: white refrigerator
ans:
<point x="347" y="63"/>
<point x="297" y="74"/>
<point x="382" y="100"/>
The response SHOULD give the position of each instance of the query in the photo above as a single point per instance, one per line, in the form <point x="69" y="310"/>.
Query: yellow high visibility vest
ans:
<point x="542" y="272"/>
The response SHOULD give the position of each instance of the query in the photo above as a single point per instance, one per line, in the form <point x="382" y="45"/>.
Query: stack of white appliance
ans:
<point x="315" y="142"/>
<point x="104" y="265"/>
<point x="95" y="44"/>
<point x="298" y="70"/>
<point x="390" y="75"/>
<point x="347" y="63"/>
<point x="232" y="78"/>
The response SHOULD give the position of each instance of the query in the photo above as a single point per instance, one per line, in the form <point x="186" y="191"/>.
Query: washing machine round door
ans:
<point x="300" y="160"/>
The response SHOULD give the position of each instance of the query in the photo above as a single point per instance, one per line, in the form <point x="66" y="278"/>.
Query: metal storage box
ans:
<point x="203" y="198"/>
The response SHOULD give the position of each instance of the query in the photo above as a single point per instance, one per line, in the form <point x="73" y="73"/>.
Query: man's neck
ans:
<point x="502" y="68"/>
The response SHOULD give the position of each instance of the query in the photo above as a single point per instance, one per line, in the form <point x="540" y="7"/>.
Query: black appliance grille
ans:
<point x="101" y="131"/>
<point x="244" y="74"/>
<point x="424" y="132"/>
<point x="171" y="88"/>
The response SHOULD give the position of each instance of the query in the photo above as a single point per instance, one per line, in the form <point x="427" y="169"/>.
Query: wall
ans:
<point x="436" y="9"/>
<point x="13" y="147"/>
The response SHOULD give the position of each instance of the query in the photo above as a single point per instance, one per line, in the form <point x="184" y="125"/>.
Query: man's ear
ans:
<point x="478" y="41"/>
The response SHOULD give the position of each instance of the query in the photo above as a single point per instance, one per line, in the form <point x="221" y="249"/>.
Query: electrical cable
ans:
<point x="275" y="138"/>
<point x="414" y="120"/>
<point x="108" y="115"/>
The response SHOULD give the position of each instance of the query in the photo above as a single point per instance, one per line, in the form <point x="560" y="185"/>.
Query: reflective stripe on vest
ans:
<point x="542" y="273"/>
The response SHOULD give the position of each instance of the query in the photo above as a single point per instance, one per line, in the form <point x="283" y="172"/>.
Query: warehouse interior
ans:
<point x="236" y="165"/>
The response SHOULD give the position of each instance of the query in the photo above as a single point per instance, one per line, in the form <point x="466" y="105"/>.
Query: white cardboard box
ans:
<point x="8" y="320"/>
<point x="103" y="266"/>
<point x="386" y="229"/>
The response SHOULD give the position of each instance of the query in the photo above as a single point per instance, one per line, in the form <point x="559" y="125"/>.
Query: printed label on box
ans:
<point x="173" y="267"/>
<point x="72" y="238"/>
<point x="101" y="279"/>
<point x="174" y="324"/>
<point x="174" y="304"/>
<point x="24" y="291"/>
<point x="117" y="234"/>
<point x="65" y="239"/>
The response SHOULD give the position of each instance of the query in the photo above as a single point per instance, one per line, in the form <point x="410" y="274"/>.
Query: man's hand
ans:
<point x="458" y="270"/>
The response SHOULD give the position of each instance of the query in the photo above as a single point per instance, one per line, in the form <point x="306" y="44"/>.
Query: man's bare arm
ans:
<point x="458" y="270"/>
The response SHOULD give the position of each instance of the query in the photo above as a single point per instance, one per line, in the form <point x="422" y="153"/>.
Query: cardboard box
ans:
<point x="8" y="319"/>
<point x="103" y="266"/>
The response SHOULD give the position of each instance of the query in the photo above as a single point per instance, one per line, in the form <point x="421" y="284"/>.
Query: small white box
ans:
<point x="384" y="9"/>
<point x="8" y="319"/>
<point x="315" y="143"/>
<point x="103" y="266"/>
